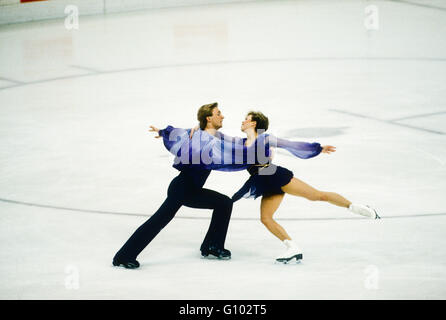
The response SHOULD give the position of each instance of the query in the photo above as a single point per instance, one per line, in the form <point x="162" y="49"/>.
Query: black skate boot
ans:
<point x="131" y="264"/>
<point x="219" y="253"/>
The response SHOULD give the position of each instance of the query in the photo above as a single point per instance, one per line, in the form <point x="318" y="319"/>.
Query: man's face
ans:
<point x="216" y="120"/>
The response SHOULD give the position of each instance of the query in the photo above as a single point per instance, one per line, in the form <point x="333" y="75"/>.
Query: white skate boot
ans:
<point x="292" y="252"/>
<point x="365" y="211"/>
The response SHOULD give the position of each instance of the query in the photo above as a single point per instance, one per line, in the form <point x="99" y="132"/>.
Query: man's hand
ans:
<point x="193" y="130"/>
<point x="155" y="129"/>
<point x="328" y="149"/>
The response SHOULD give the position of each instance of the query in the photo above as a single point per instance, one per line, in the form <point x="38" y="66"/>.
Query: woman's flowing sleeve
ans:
<point x="303" y="150"/>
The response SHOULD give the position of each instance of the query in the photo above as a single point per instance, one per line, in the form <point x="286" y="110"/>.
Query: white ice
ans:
<point x="79" y="171"/>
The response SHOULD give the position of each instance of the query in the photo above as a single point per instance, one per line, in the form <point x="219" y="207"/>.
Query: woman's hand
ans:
<point x="328" y="149"/>
<point x="193" y="130"/>
<point x="155" y="129"/>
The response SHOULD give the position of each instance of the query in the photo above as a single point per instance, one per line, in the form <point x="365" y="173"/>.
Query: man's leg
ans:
<point x="147" y="231"/>
<point x="222" y="206"/>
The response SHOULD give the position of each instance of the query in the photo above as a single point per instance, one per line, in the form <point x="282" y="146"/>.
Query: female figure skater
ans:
<point x="273" y="185"/>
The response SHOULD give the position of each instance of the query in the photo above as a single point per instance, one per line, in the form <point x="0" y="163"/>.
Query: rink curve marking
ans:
<point x="392" y="122"/>
<point x="418" y="116"/>
<point x="94" y="72"/>
<point x="86" y="68"/>
<point x="12" y="80"/>
<point x="418" y="4"/>
<point x="207" y="218"/>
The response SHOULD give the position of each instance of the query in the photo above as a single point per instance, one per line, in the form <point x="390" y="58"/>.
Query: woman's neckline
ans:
<point x="245" y="139"/>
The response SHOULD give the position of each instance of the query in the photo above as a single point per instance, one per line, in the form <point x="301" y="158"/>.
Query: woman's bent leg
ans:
<point x="268" y="207"/>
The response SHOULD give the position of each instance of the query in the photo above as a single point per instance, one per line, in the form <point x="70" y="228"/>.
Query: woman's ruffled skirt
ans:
<point x="265" y="183"/>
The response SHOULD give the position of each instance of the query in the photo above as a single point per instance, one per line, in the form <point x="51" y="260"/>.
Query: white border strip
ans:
<point x="52" y="9"/>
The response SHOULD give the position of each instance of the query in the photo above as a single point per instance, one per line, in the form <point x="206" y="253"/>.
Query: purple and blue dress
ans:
<point x="225" y="153"/>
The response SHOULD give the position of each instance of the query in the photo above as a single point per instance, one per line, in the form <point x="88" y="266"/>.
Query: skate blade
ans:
<point x="121" y="265"/>
<point x="298" y="258"/>
<point x="212" y="257"/>
<point x="376" y="214"/>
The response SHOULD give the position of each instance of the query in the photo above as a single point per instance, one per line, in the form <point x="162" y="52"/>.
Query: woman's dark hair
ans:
<point x="261" y="120"/>
<point x="204" y="112"/>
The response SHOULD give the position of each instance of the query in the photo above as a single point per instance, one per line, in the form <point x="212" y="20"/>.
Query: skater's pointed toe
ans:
<point x="364" y="210"/>
<point x="374" y="214"/>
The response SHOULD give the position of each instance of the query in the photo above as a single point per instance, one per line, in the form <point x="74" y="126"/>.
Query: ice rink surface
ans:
<point x="79" y="171"/>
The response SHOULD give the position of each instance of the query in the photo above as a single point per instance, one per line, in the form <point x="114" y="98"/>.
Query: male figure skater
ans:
<point x="186" y="189"/>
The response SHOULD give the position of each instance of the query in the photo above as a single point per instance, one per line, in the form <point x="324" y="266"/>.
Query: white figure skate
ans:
<point x="292" y="252"/>
<point x="365" y="211"/>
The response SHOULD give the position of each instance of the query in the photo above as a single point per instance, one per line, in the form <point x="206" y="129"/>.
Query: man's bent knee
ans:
<point x="227" y="202"/>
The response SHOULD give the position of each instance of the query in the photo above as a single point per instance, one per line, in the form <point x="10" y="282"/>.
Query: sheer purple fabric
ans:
<point x="226" y="153"/>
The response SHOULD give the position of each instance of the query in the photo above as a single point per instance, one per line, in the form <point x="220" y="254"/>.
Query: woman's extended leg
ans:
<point x="299" y="188"/>
<point x="268" y="206"/>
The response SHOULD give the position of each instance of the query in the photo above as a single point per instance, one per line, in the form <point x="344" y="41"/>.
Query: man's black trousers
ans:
<point x="182" y="191"/>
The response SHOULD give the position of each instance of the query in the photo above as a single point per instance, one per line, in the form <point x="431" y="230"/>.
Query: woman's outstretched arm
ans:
<point x="300" y="149"/>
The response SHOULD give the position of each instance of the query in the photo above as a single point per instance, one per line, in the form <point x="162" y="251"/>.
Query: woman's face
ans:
<point x="248" y="123"/>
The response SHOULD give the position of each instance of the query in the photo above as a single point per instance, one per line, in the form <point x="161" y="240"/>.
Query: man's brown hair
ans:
<point x="261" y="120"/>
<point x="204" y="112"/>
